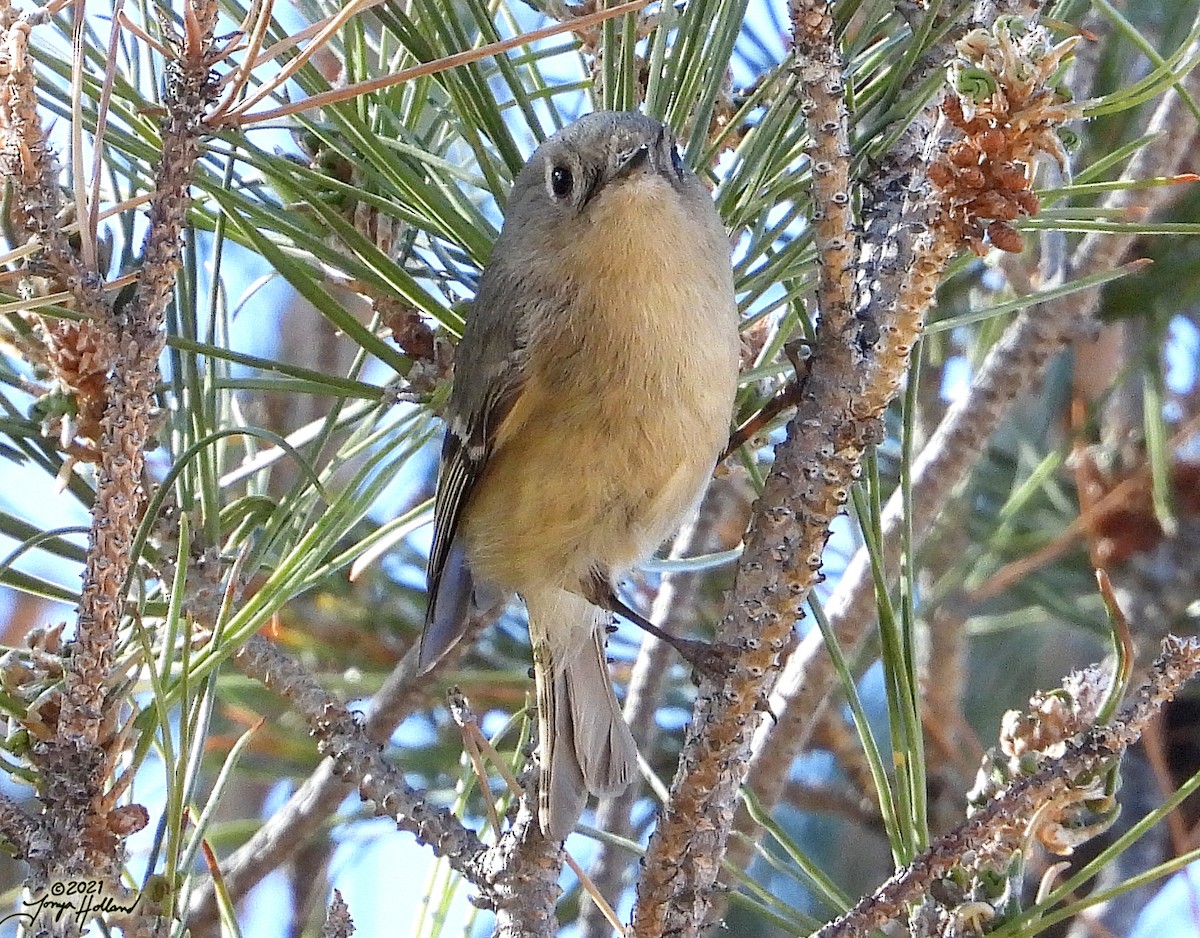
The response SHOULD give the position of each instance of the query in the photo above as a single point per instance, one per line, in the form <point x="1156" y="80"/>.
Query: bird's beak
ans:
<point x="633" y="161"/>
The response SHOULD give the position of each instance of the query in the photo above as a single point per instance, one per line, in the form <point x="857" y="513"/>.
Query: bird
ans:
<point x="592" y="395"/>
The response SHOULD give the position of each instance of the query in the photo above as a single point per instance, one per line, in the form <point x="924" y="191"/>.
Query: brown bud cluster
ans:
<point x="432" y="355"/>
<point x="1042" y="732"/>
<point x="81" y="362"/>
<point x="982" y="189"/>
<point x="1008" y="114"/>
<point x="1054" y="717"/>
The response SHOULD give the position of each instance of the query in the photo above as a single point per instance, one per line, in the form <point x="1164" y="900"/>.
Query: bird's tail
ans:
<point x="585" y="744"/>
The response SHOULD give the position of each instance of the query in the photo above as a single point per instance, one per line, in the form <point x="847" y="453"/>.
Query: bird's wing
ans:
<point x="489" y="376"/>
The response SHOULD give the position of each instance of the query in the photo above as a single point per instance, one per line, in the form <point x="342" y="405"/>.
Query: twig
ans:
<point x="336" y="22"/>
<point x="1013" y="366"/>
<point x="523" y="870"/>
<point x="1000" y="827"/>
<point x="835" y="736"/>
<point x="517" y="877"/>
<point x="464" y="719"/>
<point x="895" y="275"/>
<point x="26" y="159"/>
<point x="838" y="416"/>
<point x="953" y="745"/>
<point x="820" y="68"/>
<point x="119" y="496"/>
<point x="338" y="923"/>
<point x="845" y="800"/>
<point x="357" y="757"/>
<point x="91" y="223"/>
<point x="950" y="735"/>
<point x="481" y="744"/>
<point x="75" y="764"/>
<point x="17" y="827"/>
<point x="321" y="793"/>
<point x="242" y="73"/>
<point x="142" y="35"/>
<point x="598" y="902"/>
<point x="438" y="65"/>
<point x="722" y="514"/>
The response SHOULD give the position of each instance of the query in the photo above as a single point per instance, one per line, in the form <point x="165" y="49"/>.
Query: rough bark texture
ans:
<point x="517" y="877"/>
<point x="806" y="489"/>
<point x="289" y="828"/>
<point x="996" y="831"/>
<point x="678" y="606"/>
<point x="83" y="833"/>
<point x="1011" y="369"/>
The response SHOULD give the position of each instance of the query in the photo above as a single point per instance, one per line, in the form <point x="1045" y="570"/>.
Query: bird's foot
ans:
<point x="709" y="659"/>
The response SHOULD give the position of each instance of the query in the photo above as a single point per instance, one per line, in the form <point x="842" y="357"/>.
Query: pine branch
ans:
<point x="18" y="828"/>
<point x="318" y="797"/>
<point x="1011" y="369"/>
<point x="1002" y="826"/>
<point x="806" y="489"/>
<point x="678" y="604"/>
<point x="517" y="877"/>
<point x="338" y="923"/>
<point x="85" y="833"/>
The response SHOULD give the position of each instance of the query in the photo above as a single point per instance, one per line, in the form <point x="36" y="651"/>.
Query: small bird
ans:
<point x="592" y="395"/>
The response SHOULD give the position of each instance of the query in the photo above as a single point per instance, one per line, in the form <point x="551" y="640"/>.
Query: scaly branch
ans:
<point x="318" y="798"/>
<point x="806" y="489"/>
<point x="517" y="877"/>
<point x="994" y="832"/>
<point x="74" y="763"/>
<point x="1012" y="368"/>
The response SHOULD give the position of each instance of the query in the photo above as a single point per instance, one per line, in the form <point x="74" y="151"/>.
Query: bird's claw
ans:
<point x="710" y="659"/>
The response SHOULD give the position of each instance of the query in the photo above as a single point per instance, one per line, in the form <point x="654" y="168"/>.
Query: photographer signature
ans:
<point x="73" y="898"/>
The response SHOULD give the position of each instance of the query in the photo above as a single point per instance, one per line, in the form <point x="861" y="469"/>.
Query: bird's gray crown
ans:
<point x="574" y="165"/>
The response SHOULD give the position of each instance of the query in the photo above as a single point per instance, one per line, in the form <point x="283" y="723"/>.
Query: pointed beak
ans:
<point x="633" y="161"/>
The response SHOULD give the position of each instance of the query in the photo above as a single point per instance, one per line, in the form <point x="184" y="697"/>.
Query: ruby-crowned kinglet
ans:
<point x="592" y="395"/>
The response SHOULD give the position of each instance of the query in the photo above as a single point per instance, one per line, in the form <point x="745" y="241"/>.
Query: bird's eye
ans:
<point x="677" y="160"/>
<point x="561" y="182"/>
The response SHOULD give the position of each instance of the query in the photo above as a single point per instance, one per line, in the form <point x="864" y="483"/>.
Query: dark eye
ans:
<point x="561" y="182"/>
<point x="676" y="160"/>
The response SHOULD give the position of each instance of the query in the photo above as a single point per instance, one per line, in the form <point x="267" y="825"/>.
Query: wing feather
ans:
<point x="470" y="437"/>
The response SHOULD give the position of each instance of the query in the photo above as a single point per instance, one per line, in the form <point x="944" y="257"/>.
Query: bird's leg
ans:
<point x="799" y="353"/>
<point x="712" y="659"/>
